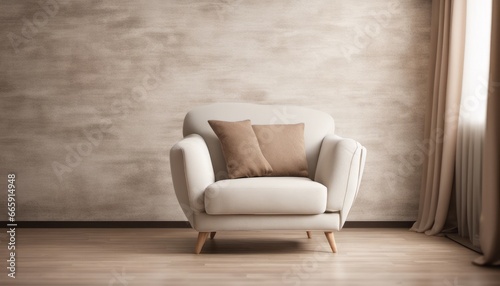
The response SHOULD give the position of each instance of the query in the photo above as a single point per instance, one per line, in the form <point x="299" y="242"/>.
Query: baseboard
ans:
<point x="378" y="224"/>
<point x="102" y="224"/>
<point x="463" y="241"/>
<point x="176" y="224"/>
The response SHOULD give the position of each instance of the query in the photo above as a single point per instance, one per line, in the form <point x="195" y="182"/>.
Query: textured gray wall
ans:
<point x="113" y="80"/>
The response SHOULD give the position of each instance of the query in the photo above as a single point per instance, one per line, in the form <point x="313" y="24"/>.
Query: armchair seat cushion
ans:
<point x="266" y="195"/>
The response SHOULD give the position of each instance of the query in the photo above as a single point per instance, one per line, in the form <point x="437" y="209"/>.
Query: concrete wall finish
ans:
<point x="93" y="93"/>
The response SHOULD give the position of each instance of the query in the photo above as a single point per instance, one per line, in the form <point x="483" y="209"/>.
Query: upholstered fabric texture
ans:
<point x="270" y="195"/>
<point x="192" y="173"/>
<point x="321" y="222"/>
<point x="240" y="149"/>
<point x="284" y="202"/>
<point x="283" y="147"/>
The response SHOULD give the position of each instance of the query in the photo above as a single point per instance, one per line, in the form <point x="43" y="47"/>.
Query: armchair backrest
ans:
<point x="317" y="125"/>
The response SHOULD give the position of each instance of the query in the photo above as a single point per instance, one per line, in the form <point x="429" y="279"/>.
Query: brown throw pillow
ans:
<point x="283" y="147"/>
<point x="240" y="149"/>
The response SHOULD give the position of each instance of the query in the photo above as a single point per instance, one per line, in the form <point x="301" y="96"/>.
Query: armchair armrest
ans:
<point x="340" y="168"/>
<point x="192" y="172"/>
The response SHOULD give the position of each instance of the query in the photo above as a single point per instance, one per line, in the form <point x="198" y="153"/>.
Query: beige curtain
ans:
<point x="471" y="125"/>
<point x="489" y="232"/>
<point x="447" y="48"/>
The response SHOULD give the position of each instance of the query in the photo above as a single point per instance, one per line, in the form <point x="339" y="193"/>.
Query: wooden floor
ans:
<point x="165" y="257"/>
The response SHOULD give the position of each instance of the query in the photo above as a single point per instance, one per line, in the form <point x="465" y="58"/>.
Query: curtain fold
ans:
<point x="490" y="214"/>
<point x="472" y="119"/>
<point x="460" y="146"/>
<point x="469" y="180"/>
<point x="447" y="48"/>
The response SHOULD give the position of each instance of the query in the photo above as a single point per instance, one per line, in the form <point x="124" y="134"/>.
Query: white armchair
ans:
<point x="212" y="203"/>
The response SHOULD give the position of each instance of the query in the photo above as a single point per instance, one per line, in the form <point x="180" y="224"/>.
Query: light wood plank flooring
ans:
<point x="165" y="257"/>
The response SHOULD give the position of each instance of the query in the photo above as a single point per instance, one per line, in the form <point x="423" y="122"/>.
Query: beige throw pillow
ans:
<point x="240" y="149"/>
<point x="283" y="147"/>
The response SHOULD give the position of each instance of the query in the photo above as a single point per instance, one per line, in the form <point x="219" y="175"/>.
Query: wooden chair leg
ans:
<point x="212" y="234"/>
<point x="202" y="236"/>
<point x="308" y="234"/>
<point x="331" y="241"/>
